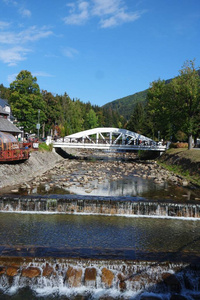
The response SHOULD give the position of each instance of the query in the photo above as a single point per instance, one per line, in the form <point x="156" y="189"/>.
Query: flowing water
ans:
<point x="137" y="230"/>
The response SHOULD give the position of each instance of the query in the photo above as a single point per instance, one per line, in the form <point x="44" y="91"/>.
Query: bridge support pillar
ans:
<point x="97" y="138"/>
<point x="110" y="138"/>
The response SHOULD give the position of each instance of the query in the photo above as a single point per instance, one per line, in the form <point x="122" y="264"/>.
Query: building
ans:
<point x="6" y="124"/>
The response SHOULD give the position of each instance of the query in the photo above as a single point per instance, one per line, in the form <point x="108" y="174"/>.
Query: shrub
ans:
<point x="178" y="145"/>
<point x="45" y="147"/>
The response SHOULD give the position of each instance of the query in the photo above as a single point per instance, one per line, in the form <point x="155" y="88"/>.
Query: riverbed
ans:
<point x="99" y="229"/>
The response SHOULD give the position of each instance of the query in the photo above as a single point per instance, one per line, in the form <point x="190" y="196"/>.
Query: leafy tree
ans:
<point x="52" y="110"/>
<point x="186" y="100"/>
<point x="4" y="92"/>
<point x="157" y="115"/>
<point x="26" y="101"/>
<point x="137" y="119"/>
<point x="175" y="106"/>
<point x="92" y="119"/>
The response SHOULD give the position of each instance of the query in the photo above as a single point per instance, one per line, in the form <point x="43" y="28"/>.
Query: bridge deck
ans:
<point x="114" y="147"/>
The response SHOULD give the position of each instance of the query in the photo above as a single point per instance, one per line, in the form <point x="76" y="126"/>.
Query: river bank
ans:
<point x="36" y="165"/>
<point x="183" y="162"/>
<point x="42" y="165"/>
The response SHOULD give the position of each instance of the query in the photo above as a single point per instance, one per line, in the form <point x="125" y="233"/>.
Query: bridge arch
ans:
<point x="108" y="138"/>
<point x="108" y="135"/>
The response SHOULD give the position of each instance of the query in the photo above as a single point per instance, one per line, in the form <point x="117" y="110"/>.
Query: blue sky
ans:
<point x="97" y="50"/>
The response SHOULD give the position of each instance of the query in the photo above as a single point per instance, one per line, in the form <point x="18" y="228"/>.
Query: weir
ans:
<point x="92" y="280"/>
<point x="97" y="205"/>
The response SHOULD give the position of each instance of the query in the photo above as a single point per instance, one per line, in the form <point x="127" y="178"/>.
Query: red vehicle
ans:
<point x="11" y="150"/>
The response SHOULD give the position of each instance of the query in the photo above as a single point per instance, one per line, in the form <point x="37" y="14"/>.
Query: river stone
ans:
<point x="172" y="282"/>
<point x="185" y="183"/>
<point x="47" y="271"/>
<point x="73" y="277"/>
<point x="2" y="270"/>
<point x="90" y="277"/>
<point x="88" y="191"/>
<point x="122" y="283"/>
<point x="107" y="277"/>
<point x="12" y="271"/>
<point x="31" y="272"/>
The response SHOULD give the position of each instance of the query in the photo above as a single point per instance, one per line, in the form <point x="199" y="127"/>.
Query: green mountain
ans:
<point x="124" y="106"/>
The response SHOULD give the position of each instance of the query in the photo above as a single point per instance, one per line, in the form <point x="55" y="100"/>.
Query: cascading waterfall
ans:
<point x="101" y="278"/>
<point x="131" y="206"/>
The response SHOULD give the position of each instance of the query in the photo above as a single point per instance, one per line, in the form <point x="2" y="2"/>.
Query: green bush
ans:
<point x="178" y="145"/>
<point x="44" y="147"/>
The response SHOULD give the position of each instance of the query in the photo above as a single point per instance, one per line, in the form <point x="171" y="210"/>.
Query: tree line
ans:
<point x="172" y="110"/>
<point x="55" y="113"/>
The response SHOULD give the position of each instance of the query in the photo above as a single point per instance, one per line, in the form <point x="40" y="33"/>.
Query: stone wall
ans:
<point x="37" y="164"/>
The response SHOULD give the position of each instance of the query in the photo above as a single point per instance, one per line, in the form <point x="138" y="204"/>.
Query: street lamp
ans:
<point x="38" y="124"/>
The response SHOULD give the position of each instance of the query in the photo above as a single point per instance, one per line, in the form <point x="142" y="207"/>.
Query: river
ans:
<point x="95" y="225"/>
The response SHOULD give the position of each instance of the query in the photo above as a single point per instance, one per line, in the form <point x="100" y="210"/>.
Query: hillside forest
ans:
<point x="55" y="113"/>
<point x="168" y="110"/>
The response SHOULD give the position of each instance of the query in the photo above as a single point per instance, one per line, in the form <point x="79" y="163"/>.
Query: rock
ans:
<point x="88" y="191"/>
<point x="31" y="272"/>
<point x="47" y="271"/>
<point x="90" y="277"/>
<point x="122" y="283"/>
<point x="73" y="277"/>
<point x="2" y="270"/>
<point x="107" y="277"/>
<point x="12" y="271"/>
<point x="185" y="183"/>
<point x="172" y="282"/>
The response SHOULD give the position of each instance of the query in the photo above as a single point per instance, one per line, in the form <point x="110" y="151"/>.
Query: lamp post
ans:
<point x="38" y="124"/>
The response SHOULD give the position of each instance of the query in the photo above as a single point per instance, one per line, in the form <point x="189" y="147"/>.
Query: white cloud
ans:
<point x="78" y="14"/>
<point x="11" y="77"/>
<point x="106" y="7"/>
<point x="110" y="12"/>
<point x="12" y="2"/>
<point x="4" y="25"/>
<point x="70" y="52"/>
<point x="15" y="52"/>
<point x="25" y="12"/>
<point x="119" y="18"/>
<point x="13" y="55"/>
<point x="42" y="74"/>
<point x="30" y="34"/>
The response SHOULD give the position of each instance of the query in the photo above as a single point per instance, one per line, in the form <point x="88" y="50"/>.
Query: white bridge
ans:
<point x="108" y="139"/>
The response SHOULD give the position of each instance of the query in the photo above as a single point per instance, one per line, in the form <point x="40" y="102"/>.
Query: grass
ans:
<point x="44" y="147"/>
<point x="184" y="167"/>
<point x="193" y="154"/>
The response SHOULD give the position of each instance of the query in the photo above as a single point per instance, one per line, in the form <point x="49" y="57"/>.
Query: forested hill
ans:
<point x="124" y="106"/>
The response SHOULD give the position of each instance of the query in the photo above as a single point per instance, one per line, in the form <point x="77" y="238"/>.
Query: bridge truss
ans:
<point x="109" y="139"/>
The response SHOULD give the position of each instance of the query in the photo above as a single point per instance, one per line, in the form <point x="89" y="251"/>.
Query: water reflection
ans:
<point x="98" y="232"/>
<point x="128" y="186"/>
